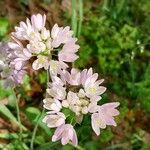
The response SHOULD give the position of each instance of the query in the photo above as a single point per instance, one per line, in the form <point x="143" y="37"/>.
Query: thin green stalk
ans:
<point x="105" y="5"/>
<point x="74" y="20"/>
<point x="35" y="130"/>
<point x="74" y="17"/>
<point x="18" y="115"/>
<point x="80" y="17"/>
<point x="77" y="147"/>
<point x="38" y="120"/>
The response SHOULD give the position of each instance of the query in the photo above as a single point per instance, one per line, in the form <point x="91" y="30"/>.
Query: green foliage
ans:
<point x="106" y="135"/>
<point x="3" y="27"/>
<point x="92" y="145"/>
<point x="114" y="37"/>
<point x="42" y="77"/>
<point x="144" y="90"/>
<point x="26" y="83"/>
<point x="4" y="92"/>
<point x="6" y="112"/>
<point x="24" y="2"/>
<point x="34" y="116"/>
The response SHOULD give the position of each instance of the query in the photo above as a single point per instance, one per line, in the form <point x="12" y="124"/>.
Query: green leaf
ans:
<point x="106" y="135"/>
<point x="11" y="136"/>
<point x="47" y="146"/>
<point x="92" y="145"/>
<point x="33" y="116"/>
<point x="6" y="112"/>
<point x="3" y="26"/>
<point x="47" y="130"/>
<point x="32" y="113"/>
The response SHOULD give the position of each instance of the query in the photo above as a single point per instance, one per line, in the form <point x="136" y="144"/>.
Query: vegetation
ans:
<point x="114" y="39"/>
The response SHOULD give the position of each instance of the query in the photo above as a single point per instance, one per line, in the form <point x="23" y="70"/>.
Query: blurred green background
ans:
<point x="114" y="38"/>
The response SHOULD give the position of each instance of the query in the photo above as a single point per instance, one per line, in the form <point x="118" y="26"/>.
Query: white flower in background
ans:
<point x="11" y="76"/>
<point x="66" y="134"/>
<point x="19" y="56"/>
<point x="54" y="119"/>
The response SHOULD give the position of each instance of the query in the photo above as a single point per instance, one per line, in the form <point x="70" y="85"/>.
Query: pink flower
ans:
<point x="19" y="55"/>
<point x="29" y="30"/>
<point x="57" y="91"/>
<point x="52" y="104"/>
<point x="72" y="78"/>
<point x="104" y="115"/>
<point x="60" y="35"/>
<point x="56" y="67"/>
<point x="45" y="34"/>
<point x="72" y="98"/>
<point x="66" y="133"/>
<point x="85" y="74"/>
<point x="38" y="21"/>
<point x="54" y="119"/>
<point x="92" y="87"/>
<point x="40" y="62"/>
<point x="18" y="76"/>
<point x="98" y="122"/>
<point x="11" y="73"/>
<point x="23" y="30"/>
<point x="36" y="47"/>
<point x="68" y="51"/>
<point x="56" y="81"/>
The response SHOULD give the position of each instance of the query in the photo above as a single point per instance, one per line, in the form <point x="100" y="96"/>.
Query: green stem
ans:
<point x="80" y="16"/>
<point x="35" y="130"/>
<point x="18" y="115"/>
<point x="77" y="147"/>
<point x="74" y="17"/>
<point x="38" y="120"/>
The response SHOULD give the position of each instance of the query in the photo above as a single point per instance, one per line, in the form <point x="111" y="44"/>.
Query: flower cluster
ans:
<point x="8" y="72"/>
<point x="32" y="41"/>
<point x="79" y="92"/>
<point x="69" y="90"/>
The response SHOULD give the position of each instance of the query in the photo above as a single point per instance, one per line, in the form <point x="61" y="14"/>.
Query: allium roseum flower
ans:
<point x="69" y="94"/>
<point x="66" y="133"/>
<point x="54" y="119"/>
<point x="78" y="92"/>
<point x="11" y="74"/>
<point x="52" y="104"/>
<point x="49" y="48"/>
<point x="104" y="115"/>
